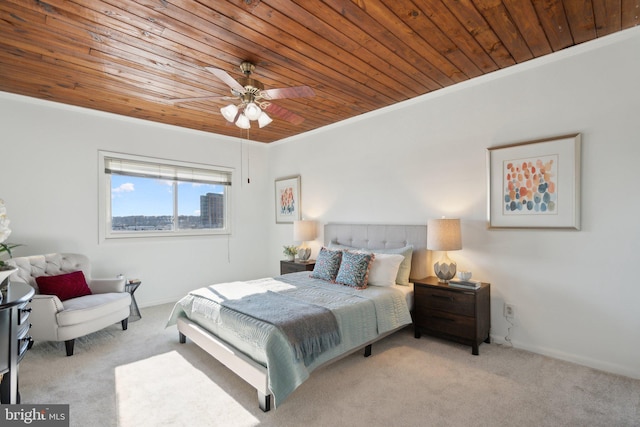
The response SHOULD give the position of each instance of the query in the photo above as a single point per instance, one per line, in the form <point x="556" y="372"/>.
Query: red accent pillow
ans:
<point x="64" y="286"/>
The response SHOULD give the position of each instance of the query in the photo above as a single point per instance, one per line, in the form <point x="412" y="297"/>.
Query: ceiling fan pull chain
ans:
<point x="248" y="159"/>
<point x="248" y="172"/>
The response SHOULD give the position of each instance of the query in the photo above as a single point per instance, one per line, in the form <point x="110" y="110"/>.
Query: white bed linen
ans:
<point x="407" y="292"/>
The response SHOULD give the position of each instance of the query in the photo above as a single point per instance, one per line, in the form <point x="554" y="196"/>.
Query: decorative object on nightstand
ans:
<point x="464" y="275"/>
<point x="304" y="231"/>
<point x="457" y="314"/>
<point x="465" y="284"/>
<point x="296" y="266"/>
<point x="444" y="235"/>
<point x="289" y="252"/>
<point x="464" y="281"/>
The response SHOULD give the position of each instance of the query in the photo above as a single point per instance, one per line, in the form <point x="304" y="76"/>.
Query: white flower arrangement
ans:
<point x="5" y="231"/>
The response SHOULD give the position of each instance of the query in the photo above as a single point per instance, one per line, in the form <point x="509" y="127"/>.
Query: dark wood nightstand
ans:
<point x="295" y="266"/>
<point x="456" y="314"/>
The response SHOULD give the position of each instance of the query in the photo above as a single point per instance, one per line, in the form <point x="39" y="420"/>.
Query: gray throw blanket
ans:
<point x="311" y="329"/>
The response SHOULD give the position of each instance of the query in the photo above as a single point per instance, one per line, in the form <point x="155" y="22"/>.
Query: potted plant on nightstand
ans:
<point x="290" y="252"/>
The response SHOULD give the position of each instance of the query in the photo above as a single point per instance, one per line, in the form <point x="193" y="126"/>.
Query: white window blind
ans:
<point x="167" y="172"/>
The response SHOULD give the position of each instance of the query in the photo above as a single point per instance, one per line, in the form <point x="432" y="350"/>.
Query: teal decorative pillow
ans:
<point x="327" y="264"/>
<point x="354" y="269"/>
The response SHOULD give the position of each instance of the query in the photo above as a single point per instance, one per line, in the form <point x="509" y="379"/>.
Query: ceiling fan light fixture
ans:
<point x="229" y="112"/>
<point x="250" y="98"/>
<point x="252" y="111"/>
<point x="243" y="122"/>
<point x="264" y="119"/>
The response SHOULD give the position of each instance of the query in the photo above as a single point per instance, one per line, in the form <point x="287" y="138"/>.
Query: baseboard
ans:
<point x="159" y="302"/>
<point x="570" y="357"/>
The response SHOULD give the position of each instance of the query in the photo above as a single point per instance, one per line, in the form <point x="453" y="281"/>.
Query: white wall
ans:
<point x="49" y="181"/>
<point x="575" y="292"/>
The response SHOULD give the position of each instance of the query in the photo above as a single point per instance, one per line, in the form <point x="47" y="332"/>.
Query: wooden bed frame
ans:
<point x="356" y="235"/>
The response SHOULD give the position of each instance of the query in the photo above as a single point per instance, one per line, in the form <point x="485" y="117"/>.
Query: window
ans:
<point x="142" y="196"/>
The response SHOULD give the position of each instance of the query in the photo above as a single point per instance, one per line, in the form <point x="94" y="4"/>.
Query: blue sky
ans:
<point x="143" y="196"/>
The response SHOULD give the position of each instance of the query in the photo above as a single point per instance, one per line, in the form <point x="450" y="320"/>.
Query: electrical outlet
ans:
<point x="509" y="311"/>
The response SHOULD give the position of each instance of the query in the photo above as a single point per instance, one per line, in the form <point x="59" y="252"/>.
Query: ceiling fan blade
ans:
<point x="288" y="92"/>
<point x="226" y="78"/>
<point x="195" y="107"/>
<point x="284" y="114"/>
<point x="203" y="98"/>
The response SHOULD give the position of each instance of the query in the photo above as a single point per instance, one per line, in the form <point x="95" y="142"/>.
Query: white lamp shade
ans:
<point x="264" y="120"/>
<point x="444" y="234"/>
<point x="304" y="230"/>
<point x="243" y="122"/>
<point x="229" y="112"/>
<point x="252" y="111"/>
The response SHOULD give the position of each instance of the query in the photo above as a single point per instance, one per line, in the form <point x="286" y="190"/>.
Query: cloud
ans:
<point x="127" y="187"/>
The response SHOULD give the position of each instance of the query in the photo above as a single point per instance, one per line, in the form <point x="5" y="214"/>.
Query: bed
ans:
<point x="318" y="322"/>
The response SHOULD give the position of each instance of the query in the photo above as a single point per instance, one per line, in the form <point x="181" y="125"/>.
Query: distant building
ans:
<point x="212" y="210"/>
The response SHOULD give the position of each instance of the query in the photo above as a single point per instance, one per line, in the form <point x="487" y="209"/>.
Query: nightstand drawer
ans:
<point x="443" y="300"/>
<point x="446" y="323"/>
<point x="287" y="267"/>
<point x="23" y="312"/>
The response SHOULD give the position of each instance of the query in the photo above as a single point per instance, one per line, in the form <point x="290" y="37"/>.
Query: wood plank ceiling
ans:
<point x="134" y="58"/>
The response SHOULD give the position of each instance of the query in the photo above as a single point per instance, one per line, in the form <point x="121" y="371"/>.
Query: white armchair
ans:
<point x="56" y="320"/>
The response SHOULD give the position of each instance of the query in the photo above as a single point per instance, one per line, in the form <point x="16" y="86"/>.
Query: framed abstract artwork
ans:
<point x="287" y="199"/>
<point x="535" y="184"/>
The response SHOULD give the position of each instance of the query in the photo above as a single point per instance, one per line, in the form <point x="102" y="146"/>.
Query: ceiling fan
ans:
<point x="251" y="100"/>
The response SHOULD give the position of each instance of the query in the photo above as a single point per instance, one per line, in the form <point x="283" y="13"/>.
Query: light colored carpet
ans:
<point x="144" y="377"/>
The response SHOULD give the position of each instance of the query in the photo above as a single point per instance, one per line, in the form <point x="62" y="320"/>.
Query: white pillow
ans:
<point x="384" y="269"/>
<point x="405" y="266"/>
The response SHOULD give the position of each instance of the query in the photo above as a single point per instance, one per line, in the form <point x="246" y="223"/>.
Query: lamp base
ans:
<point x="445" y="269"/>
<point x="304" y="253"/>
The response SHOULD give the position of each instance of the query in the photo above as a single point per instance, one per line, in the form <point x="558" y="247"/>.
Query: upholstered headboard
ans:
<point x="377" y="236"/>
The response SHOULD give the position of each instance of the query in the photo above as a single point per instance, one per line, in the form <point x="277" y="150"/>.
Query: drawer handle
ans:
<point x="443" y="297"/>
<point x="26" y="310"/>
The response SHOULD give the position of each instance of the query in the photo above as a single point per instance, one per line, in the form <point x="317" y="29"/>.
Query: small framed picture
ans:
<point x="535" y="184"/>
<point x="287" y="199"/>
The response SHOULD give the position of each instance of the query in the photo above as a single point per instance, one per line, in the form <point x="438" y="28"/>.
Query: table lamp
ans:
<point x="304" y="231"/>
<point x="444" y="235"/>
